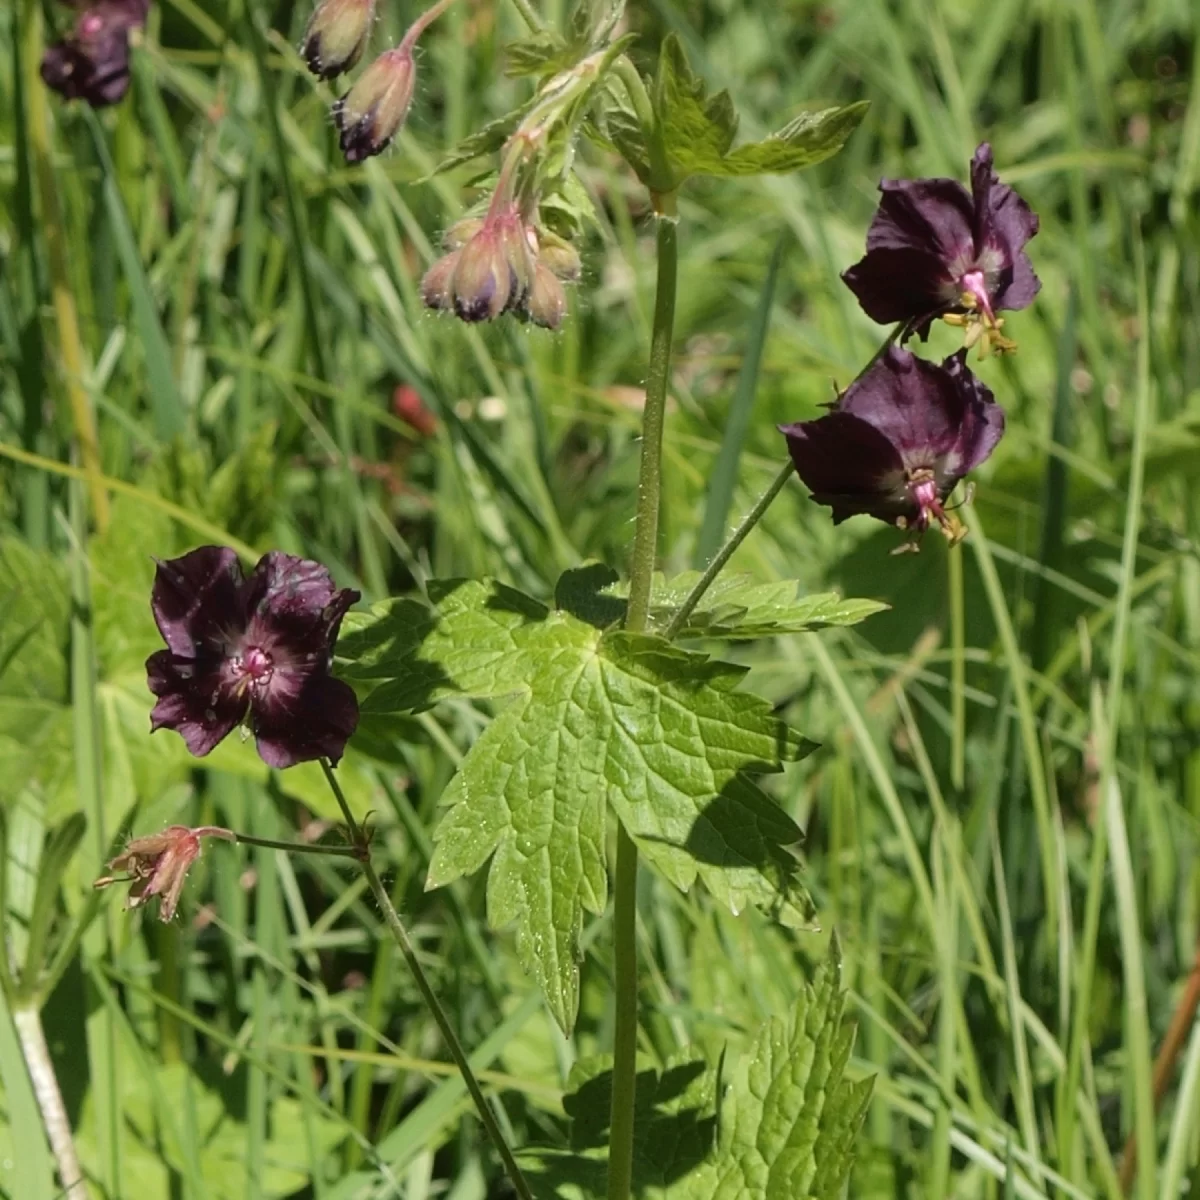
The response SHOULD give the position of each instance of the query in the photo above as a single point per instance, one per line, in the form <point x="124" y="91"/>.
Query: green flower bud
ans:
<point x="370" y="114"/>
<point x="547" y="303"/>
<point x="337" y="35"/>
<point x="560" y="257"/>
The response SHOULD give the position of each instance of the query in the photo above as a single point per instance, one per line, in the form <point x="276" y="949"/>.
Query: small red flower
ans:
<point x="157" y="865"/>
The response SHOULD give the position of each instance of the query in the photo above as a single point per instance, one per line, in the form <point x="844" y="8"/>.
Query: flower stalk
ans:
<point x="360" y="840"/>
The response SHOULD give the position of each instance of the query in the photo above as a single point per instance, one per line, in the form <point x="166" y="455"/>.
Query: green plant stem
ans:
<point x="645" y="538"/>
<point x="645" y="552"/>
<point x="528" y="15"/>
<point x="625" y="967"/>
<point x="28" y="1023"/>
<point x="297" y="847"/>
<point x="400" y="934"/>
<point x="736" y="538"/>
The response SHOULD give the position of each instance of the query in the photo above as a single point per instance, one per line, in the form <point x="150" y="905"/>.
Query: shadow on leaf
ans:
<point x="675" y="1127"/>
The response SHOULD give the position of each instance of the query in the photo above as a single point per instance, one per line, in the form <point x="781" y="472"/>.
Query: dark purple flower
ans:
<point x="259" y="647"/>
<point x="935" y="248"/>
<point x="898" y="441"/>
<point x="93" y="63"/>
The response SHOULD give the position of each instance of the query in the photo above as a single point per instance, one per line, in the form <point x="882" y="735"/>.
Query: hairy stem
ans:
<point x="297" y="847"/>
<point x="423" y="22"/>
<point x="28" y="1024"/>
<point x="396" y="927"/>
<point x="645" y="551"/>
<point x="736" y="538"/>
<point x="645" y="538"/>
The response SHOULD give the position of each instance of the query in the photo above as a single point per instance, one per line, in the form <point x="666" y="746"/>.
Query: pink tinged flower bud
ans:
<point x="435" y="287"/>
<point x="514" y="242"/>
<point x="560" y="257"/>
<point x="482" y="283"/>
<point x="370" y="114"/>
<point x="547" y="304"/>
<point x="337" y="35"/>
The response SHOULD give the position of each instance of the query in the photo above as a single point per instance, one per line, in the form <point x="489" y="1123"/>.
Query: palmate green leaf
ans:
<point x="599" y="717"/>
<point x="784" y="1128"/>
<point x="696" y="129"/>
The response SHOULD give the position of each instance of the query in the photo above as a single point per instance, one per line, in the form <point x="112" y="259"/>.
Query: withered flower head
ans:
<point x="898" y="441"/>
<point x="934" y="248"/>
<point x="157" y="865"/>
<point x="256" y="648"/>
<point x="337" y="35"/>
<point x="370" y="114"/>
<point x="93" y="63"/>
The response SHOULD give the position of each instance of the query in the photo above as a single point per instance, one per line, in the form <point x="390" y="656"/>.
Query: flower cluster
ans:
<point x="502" y="263"/>
<point x="371" y="113"/>
<point x="92" y="64"/>
<point x="906" y="431"/>
<point x="254" y="650"/>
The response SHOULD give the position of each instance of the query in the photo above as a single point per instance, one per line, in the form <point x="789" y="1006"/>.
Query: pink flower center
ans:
<point x="922" y="487"/>
<point x="974" y="286"/>
<point x="253" y="667"/>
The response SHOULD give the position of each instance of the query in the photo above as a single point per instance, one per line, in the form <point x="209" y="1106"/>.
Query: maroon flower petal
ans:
<point x="194" y="700"/>
<point x="901" y="284"/>
<point x="981" y="424"/>
<point x="848" y="465"/>
<point x="294" y="601"/>
<point x="314" y="722"/>
<point x="197" y="600"/>
<point x="930" y="215"/>
<point x="916" y="405"/>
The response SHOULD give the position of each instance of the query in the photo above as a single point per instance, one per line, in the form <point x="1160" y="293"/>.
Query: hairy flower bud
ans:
<point x="370" y="114"/>
<point x="481" y="284"/>
<point x="547" y="303"/>
<point x="435" y="287"/>
<point x="559" y="256"/>
<point x="461" y="232"/>
<point x="337" y="35"/>
<point x="494" y="271"/>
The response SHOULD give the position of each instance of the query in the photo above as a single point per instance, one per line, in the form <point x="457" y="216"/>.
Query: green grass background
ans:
<point x="1002" y="821"/>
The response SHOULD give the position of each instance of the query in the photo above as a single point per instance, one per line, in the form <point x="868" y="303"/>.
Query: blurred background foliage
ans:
<point x="261" y="373"/>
